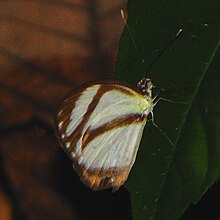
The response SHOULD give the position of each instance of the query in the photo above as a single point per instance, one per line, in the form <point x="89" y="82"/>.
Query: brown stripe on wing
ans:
<point x="113" y="124"/>
<point x="123" y="86"/>
<point x="99" y="179"/>
<point x="77" y="133"/>
<point x="63" y="116"/>
<point x="123" y="90"/>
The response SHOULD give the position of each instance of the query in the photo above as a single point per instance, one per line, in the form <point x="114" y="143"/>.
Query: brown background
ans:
<point x="46" y="49"/>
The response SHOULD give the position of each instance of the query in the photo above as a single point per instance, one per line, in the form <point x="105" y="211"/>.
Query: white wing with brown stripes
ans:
<point x="100" y="127"/>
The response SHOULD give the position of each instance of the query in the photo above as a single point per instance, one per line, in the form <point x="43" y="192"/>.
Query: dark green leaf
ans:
<point x="165" y="178"/>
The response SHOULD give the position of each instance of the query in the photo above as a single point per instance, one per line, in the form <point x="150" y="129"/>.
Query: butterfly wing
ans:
<point x="100" y="127"/>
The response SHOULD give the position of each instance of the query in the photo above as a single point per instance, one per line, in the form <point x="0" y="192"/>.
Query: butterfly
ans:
<point x="100" y="126"/>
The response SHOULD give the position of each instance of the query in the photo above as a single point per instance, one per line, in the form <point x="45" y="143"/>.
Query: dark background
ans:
<point x="46" y="49"/>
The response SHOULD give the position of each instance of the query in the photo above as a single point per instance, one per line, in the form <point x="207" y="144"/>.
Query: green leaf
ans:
<point x="166" y="179"/>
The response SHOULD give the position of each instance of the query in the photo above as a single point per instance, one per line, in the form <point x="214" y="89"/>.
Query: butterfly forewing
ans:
<point x="100" y="127"/>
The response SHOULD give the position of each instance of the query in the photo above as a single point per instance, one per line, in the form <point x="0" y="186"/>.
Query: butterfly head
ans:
<point x="145" y="85"/>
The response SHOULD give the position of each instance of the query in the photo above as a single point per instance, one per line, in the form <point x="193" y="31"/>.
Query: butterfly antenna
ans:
<point x="163" y="50"/>
<point x="132" y="40"/>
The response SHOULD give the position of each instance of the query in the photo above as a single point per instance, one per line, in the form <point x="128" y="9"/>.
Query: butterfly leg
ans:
<point x="160" y="129"/>
<point x="157" y="94"/>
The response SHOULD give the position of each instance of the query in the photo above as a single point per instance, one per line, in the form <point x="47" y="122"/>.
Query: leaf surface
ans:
<point x="166" y="178"/>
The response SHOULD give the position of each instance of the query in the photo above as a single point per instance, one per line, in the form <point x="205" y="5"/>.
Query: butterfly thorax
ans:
<point x="145" y="86"/>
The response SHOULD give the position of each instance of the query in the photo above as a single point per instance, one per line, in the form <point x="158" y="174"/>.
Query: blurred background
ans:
<point x="47" y="47"/>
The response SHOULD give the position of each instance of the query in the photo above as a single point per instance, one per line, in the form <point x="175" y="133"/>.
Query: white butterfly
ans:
<point x="100" y="127"/>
